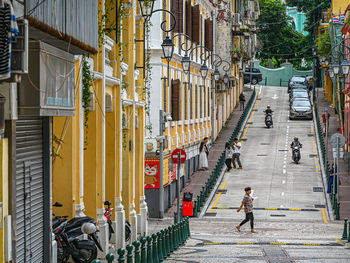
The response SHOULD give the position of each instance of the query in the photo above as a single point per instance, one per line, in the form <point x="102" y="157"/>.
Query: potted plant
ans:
<point x="236" y="54"/>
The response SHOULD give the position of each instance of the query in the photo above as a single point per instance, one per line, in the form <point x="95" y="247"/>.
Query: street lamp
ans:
<point x="345" y="66"/>
<point x="146" y="8"/>
<point x="326" y="61"/>
<point x="186" y="63"/>
<point x="225" y="78"/>
<point x="336" y="68"/>
<point x="216" y="74"/>
<point x="168" y="48"/>
<point x="204" y="70"/>
<point x="331" y="72"/>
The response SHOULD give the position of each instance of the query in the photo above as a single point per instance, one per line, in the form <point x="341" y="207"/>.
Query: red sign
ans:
<point x="152" y="174"/>
<point x="182" y="155"/>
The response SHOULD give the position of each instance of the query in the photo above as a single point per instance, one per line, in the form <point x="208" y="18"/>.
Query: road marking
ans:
<point x="283" y="182"/>
<point x="332" y="244"/>
<point x="281" y="205"/>
<point x="284" y="171"/>
<point x="269" y="208"/>
<point x="218" y="197"/>
<point x="342" y="243"/>
<point x="282" y="193"/>
<point x="251" y="117"/>
<point x="284" y="166"/>
<point x="324" y="216"/>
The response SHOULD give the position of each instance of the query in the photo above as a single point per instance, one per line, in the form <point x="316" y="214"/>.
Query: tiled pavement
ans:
<point x="198" y="179"/>
<point x="344" y="186"/>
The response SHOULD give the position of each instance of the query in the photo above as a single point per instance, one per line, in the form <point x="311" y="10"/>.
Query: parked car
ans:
<point x="297" y="81"/>
<point x="255" y="74"/>
<point x="300" y="108"/>
<point x="298" y="93"/>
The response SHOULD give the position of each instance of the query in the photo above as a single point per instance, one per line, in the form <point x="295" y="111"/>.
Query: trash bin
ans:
<point x="187" y="204"/>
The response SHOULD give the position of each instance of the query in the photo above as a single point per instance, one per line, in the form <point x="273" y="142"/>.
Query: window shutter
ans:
<point x="179" y="16"/>
<point x="195" y="24"/>
<point x="173" y="4"/>
<point x="175" y="100"/>
<point x="188" y="18"/>
<point x="211" y="36"/>
<point x="207" y="21"/>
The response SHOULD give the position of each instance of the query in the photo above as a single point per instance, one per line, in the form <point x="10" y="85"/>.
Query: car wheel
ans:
<point x="254" y="81"/>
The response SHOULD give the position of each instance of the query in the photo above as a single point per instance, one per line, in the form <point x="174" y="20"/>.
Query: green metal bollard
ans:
<point x="176" y="239"/>
<point x="149" y="250"/>
<point x="121" y="252"/>
<point x="337" y="212"/>
<point x="129" y="254"/>
<point x="182" y="240"/>
<point x="167" y="237"/>
<point x="349" y="233"/>
<point x="110" y="257"/>
<point x="160" y="246"/>
<point x="175" y="217"/>
<point x="155" y="249"/>
<point x="143" y="250"/>
<point x="137" y="258"/>
<point x="96" y="261"/>
<point x="195" y="209"/>
<point x="178" y="234"/>
<point x="171" y="238"/>
<point x="345" y="232"/>
<point x="165" y="253"/>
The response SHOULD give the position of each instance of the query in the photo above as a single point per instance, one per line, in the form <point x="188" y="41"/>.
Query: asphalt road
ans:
<point x="291" y="218"/>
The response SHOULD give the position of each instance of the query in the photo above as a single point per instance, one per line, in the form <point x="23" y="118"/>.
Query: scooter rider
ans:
<point x="296" y="143"/>
<point x="268" y="116"/>
<point x="268" y="110"/>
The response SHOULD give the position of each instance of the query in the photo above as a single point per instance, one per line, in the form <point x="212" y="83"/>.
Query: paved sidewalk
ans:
<point x="344" y="186"/>
<point x="198" y="179"/>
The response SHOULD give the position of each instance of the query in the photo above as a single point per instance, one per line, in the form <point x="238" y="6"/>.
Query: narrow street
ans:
<point x="291" y="216"/>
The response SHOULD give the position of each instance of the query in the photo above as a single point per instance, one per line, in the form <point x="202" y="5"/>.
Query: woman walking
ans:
<point x="228" y="156"/>
<point x="203" y="159"/>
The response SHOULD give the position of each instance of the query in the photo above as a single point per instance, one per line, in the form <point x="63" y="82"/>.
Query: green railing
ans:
<point x="333" y="197"/>
<point x="210" y="183"/>
<point x="154" y="248"/>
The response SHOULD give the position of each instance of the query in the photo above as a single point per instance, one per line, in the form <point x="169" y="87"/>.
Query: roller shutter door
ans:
<point x="29" y="190"/>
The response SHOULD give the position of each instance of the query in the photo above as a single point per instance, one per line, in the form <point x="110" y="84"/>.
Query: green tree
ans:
<point x="279" y="39"/>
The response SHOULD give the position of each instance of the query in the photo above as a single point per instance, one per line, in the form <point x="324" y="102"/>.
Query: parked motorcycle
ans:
<point x="296" y="153"/>
<point x="69" y="243"/>
<point x="108" y="215"/>
<point x="268" y="120"/>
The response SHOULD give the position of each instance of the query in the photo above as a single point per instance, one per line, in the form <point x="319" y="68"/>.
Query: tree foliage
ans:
<point x="324" y="44"/>
<point x="280" y="41"/>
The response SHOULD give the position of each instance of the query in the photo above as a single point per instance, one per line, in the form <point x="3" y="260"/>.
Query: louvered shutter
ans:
<point x="195" y="24"/>
<point x="188" y="18"/>
<point x="179" y="16"/>
<point x="173" y="10"/>
<point x="207" y="33"/>
<point x="30" y="192"/>
<point x="211" y="35"/>
<point x="175" y="100"/>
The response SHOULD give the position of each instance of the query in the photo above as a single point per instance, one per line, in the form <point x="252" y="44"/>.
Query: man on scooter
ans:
<point x="268" y="110"/>
<point x="268" y="116"/>
<point x="296" y="143"/>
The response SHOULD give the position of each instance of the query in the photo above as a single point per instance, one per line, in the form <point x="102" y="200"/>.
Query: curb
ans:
<point x="321" y="162"/>
<point x="213" y="192"/>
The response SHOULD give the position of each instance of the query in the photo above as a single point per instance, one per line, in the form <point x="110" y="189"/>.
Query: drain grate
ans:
<point x="312" y="155"/>
<point x="261" y="155"/>
<point x="320" y="206"/>
<point x="318" y="189"/>
<point x="245" y="139"/>
<point x="310" y="135"/>
<point x="278" y="215"/>
<point x="265" y="143"/>
<point x="223" y="191"/>
<point x="210" y="214"/>
<point x="283" y="150"/>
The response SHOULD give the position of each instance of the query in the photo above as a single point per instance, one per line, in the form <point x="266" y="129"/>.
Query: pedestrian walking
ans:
<point x="228" y="156"/>
<point x="203" y="158"/>
<point x="332" y="179"/>
<point x="206" y="148"/>
<point x="236" y="153"/>
<point x="325" y="121"/>
<point x="248" y="209"/>
<point x="241" y="101"/>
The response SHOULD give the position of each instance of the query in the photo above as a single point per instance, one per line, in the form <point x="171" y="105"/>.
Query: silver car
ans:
<point x="300" y="108"/>
<point x="298" y="93"/>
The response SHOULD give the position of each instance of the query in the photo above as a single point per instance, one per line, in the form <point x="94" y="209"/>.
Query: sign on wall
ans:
<point x="151" y="174"/>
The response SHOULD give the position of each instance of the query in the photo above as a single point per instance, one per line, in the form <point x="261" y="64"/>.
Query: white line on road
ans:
<point x="282" y="193"/>
<point x="284" y="171"/>
<point x="283" y="182"/>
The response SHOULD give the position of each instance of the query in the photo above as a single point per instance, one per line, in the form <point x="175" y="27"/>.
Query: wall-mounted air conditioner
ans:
<point x="19" y="52"/>
<point x="109" y="103"/>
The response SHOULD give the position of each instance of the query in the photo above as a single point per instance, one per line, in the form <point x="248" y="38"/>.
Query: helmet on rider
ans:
<point x="296" y="138"/>
<point x="268" y="106"/>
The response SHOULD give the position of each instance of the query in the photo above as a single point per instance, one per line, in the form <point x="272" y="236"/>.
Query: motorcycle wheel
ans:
<point x="86" y="255"/>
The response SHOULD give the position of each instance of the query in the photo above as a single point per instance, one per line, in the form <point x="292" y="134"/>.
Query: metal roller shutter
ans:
<point x="29" y="190"/>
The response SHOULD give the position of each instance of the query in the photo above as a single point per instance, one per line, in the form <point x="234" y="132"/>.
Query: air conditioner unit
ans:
<point x="136" y="122"/>
<point x="236" y="18"/>
<point x="92" y="102"/>
<point x="124" y="121"/>
<point x="109" y="103"/>
<point x="19" y="52"/>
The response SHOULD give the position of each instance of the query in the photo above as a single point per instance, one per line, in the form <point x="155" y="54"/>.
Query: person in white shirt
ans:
<point x="236" y="153"/>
